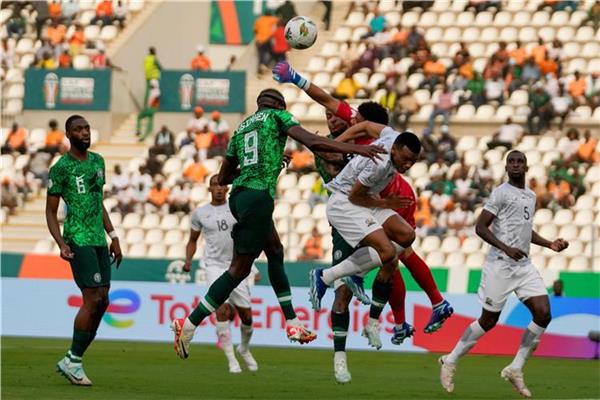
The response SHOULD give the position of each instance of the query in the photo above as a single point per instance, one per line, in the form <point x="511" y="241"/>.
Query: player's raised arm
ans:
<point x="190" y="249"/>
<point x="115" y="247"/>
<point x="284" y="73"/>
<point x="318" y="143"/>
<point x="360" y="196"/>
<point x="482" y="228"/>
<point x="362" y="129"/>
<point x="557" y="245"/>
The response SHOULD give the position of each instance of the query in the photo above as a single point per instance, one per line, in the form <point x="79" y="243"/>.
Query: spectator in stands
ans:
<point x="153" y="166"/>
<point x="42" y="14"/>
<point x="220" y="128"/>
<point x="542" y="196"/>
<point x="478" y="6"/>
<point x="347" y="87"/>
<point x="120" y="180"/>
<point x="444" y="107"/>
<point x="593" y="16"/>
<point x="410" y="4"/>
<point x="389" y="95"/>
<point x="447" y="146"/>
<point x="142" y="177"/>
<point x="200" y="62"/>
<point x="179" y="199"/>
<point x="313" y="249"/>
<point x="420" y="55"/>
<point x="592" y="90"/>
<point x="518" y="55"/>
<point x="494" y="89"/>
<point x="405" y="108"/>
<point x="203" y="142"/>
<point x="65" y="60"/>
<point x="54" y="138"/>
<point x="69" y="11"/>
<point x="502" y="56"/>
<point x="539" y="52"/>
<point x="120" y="13"/>
<point x="587" y="150"/>
<point x="549" y="66"/>
<point x="264" y="27"/>
<point x="127" y="199"/>
<point x="231" y="63"/>
<point x="461" y="56"/>
<point x="198" y="123"/>
<point x="495" y="66"/>
<point x="195" y="172"/>
<point x="15" y="26"/>
<point x="147" y="113"/>
<point x="15" y="141"/>
<point x="47" y="62"/>
<point x="286" y="11"/>
<point x="9" y="196"/>
<point x="7" y="54"/>
<point x="414" y="38"/>
<point x="302" y="161"/>
<point x="556" y="52"/>
<point x="561" y="105"/>
<point x="327" y="14"/>
<point x="77" y="41"/>
<point x="429" y="145"/>
<point x="152" y="68"/>
<point x="38" y="166"/>
<point x="280" y="45"/>
<point x="463" y="184"/>
<point x="531" y="72"/>
<point x="540" y="110"/>
<point x="366" y="59"/>
<point x="440" y="201"/>
<point x="557" y="288"/>
<point x="398" y="43"/>
<point x="54" y="10"/>
<point x="462" y="220"/>
<point x="507" y="136"/>
<point x="158" y="196"/>
<point x="318" y="194"/>
<point x="476" y="90"/>
<point x="164" y="142"/>
<point x="569" y="150"/>
<point x="104" y="13"/>
<point x="435" y="73"/>
<point x="56" y="33"/>
<point x="577" y="89"/>
<point x="100" y="61"/>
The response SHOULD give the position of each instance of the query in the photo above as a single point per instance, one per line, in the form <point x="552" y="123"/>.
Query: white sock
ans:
<point x="466" y="342"/>
<point x="339" y="355"/>
<point x="224" y="335"/>
<point x="246" y="331"/>
<point x="529" y="342"/>
<point x="188" y="326"/>
<point x="373" y="321"/>
<point x="363" y="259"/>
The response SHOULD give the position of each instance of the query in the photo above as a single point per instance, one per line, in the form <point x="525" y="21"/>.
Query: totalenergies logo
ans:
<point x="122" y="301"/>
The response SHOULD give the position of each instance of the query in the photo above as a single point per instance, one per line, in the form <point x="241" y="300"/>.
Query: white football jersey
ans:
<point x="513" y="225"/>
<point x="375" y="174"/>
<point x="215" y="223"/>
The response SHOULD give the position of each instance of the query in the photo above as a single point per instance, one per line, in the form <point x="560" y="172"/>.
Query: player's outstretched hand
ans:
<point x="559" y="245"/>
<point x="283" y="72"/>
<point x="115" y="252"/>
<point x="514" y="253"/>
<point x="396" y="202"/>
<point x="66" y="253"/>
<point x="370" y="151"/>
<point x="187" y="266"/>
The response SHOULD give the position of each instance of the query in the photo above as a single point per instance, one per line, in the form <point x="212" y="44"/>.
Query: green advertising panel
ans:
<point x="67" y="89"/>
<point x="182" y="90"/>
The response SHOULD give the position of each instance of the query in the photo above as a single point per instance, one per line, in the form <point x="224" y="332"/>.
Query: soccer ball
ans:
<point x="300" y="32"/>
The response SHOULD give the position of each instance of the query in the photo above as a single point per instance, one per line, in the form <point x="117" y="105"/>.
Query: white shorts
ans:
<point x="240" y="297"/>
<point x="354" y="222"/>
<point x="500" y="278"/>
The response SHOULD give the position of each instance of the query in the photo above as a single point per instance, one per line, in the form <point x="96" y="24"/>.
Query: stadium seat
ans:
<point x="483" y="19"/>
<point x="540" y="18"/>
<point x="518" y="98"/>
<point x="455" y="260"/>
<point x="559" y="18"/>
<point x="583" y="217"/>
<point x="579" y="263"/>
<point x="575" y="248"/>
<point x="588" y="233"/>
<point x="43" y="246"/>
<point x="81" y="61"/>
<point x="451" y="244"/>
<point x="472" y="157"/>
<point x="301" y="211"/>
<point x="472" y="244"/>
<point x="282" y="210"/>
<point x="418" y="170"/>
<point x="557" y="263"/>
<point x="173" y="236"/>
<point x="156" y="250"/>
<point x="137" y="250"/>
<point x="485" y="112"/>
<point x="547" y="33"/>
<point x="304" y="226"/>
<point x="509" y="34"/>
<point x="539" y="261"/>
<point x="131" y="220"/>
<point x="563" y="217"/>
<point x="465" y="112"/>
<point x="489" y="34"/>
<point x="435" y="259"/>
<point x="475" y="260"/>
<point x="134" y="235"/>
<point x="466" y="143"/>
<point x="150" y="221"/>
<point x="355" y="19"/>
<point x="585" y="34"/>
<point x="292" y="195"/>
<point x="465" y="19"/>
<point x="542" y="216"/>
<point x="430" y="243"/>
<point x="548" y="230"/>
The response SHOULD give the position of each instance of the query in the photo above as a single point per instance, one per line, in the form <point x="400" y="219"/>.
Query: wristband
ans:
<point x="303" y="83"/>
<point x="113" y="235"/>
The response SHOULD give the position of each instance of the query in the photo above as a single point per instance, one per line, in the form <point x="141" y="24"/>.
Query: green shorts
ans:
<point x="91" y="266"/>
<point x="253" y="211"/>
<point x="341" y="249"/>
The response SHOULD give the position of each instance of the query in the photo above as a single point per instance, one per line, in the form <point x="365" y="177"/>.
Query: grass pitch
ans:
<point x="128" y="370"/>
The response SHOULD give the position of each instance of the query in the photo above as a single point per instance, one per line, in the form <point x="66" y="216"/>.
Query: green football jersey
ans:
<point x="80" y="184"/>
<point x="258" y="144"/>
<point x="321" y="169"/>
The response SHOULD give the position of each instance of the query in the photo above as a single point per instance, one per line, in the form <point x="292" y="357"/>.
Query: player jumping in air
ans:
<point x="507" y="269"/>
<point x="215" y="222"/>
<point x="78" y="178"/>
<point x="253" y="162"/>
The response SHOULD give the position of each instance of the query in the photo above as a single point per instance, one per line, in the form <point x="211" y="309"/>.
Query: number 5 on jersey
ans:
<point x="250" y="148"/>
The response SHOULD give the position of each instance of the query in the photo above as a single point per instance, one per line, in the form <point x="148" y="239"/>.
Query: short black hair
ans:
<point x="215" y="176"/>
<point x="53" y="124"/>
<point x="374" y="112"/>
<point x="272" y="94"/>
<point x="70" y="121"/>
<point x="516" y="152"/>
<point x="410" y="140"/>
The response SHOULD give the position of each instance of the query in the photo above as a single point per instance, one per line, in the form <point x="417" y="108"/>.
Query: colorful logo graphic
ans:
<point x="122" y="301"/>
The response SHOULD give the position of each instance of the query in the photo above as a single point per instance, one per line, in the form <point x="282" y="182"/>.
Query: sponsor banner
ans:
<point x="181" y="91"/>
<point x="232" y="22"/>
<point x="67" y="89"/>
<point x="143" y="311"/>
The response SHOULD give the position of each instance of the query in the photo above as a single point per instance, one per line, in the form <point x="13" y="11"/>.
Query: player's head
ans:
<point x="218" y="193"/>
<point x="371" y="111"/>
<point x="336" y="125"/>
<point x="405" y="151"/>
<point x="271" y="98"/>
<point x="78" y="132"/>
<point x="516" y="165"/>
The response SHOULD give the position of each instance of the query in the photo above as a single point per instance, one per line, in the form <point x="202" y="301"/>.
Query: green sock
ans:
<point x="81" y="341"/>
<point x="281" y="285"/>
<point x="218" y="292"/>
<point x="339" y="324"/>
<point x="381" y="295"/>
